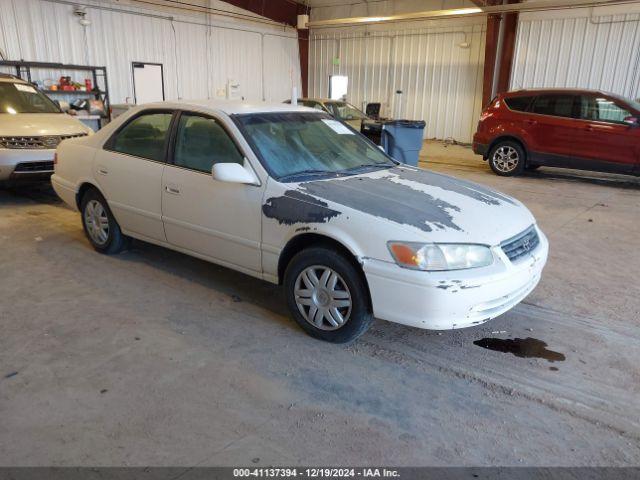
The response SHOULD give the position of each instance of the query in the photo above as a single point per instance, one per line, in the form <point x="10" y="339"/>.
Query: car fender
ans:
<point x="512" y="131"/>
<point x="330" y="231"/>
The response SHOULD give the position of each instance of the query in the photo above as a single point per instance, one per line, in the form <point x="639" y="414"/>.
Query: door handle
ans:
<point x="172" y="190"/>
<point x="103" y="171"/>
<point x="589" y="129"/>
<point x="531" y="122"/>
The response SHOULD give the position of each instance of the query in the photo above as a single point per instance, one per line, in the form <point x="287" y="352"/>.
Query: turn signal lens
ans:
<point x="440" y="257"/>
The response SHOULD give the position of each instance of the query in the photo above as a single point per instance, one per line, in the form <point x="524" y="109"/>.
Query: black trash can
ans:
<point x="402" y="140"/>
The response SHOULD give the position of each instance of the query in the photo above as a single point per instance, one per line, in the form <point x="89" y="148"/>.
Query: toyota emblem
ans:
<point x="51" y="141"/>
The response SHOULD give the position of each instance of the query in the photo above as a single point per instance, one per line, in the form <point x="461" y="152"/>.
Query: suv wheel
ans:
<point x="327" y="295"/>
<point x="507" y="158"/>
<point x="100" y="226"/>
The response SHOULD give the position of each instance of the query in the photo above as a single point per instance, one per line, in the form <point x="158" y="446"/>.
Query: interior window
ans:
<point x="602" y="109"/>
<point x="555" y="105"/>
<point x="201" y="142"/>
<point x="519" y="104"/>
<point x="145" y="136"/>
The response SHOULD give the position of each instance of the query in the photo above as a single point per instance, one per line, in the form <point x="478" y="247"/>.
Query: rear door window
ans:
<point x="565" y="106"/>
<point x="518" y="104"/>
<point x="144" y="137"/>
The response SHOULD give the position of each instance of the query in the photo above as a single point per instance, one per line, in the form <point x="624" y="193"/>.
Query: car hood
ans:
<point x="424" y="206"/>
<point x="39" y="124"/>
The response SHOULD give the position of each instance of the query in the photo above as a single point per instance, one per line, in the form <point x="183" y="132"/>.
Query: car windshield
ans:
<point x="24" y="98"/>
<point x="633" y="104"/>
<point x="293" y="145"/>
<point x="345" y="111"/>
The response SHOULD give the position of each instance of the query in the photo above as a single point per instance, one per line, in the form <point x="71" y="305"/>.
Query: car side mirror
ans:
<point x="233" y="173"/>
<point x="632" y="121"/>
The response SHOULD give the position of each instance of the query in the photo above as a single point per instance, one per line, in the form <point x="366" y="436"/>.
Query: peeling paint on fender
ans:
<point x="296" y="207"/>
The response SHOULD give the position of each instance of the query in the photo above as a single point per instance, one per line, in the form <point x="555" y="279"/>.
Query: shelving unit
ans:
<point x="23" y="69"/>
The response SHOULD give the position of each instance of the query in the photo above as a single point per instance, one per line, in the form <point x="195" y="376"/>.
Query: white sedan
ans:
<point x="292" y="196"/>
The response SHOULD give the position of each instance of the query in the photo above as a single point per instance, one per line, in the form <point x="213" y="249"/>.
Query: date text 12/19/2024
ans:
<point x="305" y="473"/>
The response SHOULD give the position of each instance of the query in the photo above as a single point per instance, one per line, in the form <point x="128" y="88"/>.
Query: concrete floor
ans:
<point x="155" y="358"/>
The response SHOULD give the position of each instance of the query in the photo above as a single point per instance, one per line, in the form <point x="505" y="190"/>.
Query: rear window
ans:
<point x="519" y="104"/>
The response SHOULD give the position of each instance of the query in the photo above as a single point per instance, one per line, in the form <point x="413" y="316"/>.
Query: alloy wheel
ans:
<point x="506" y="159"/>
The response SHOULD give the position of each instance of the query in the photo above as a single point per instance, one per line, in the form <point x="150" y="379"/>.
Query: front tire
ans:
<point x="507" y="158"/>
<point x="327" y="295"/>
<point x="100" y="226"/>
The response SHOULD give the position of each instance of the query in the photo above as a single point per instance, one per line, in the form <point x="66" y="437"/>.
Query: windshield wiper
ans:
<point x="303" y="173"/>
<point x="366" y="167"/>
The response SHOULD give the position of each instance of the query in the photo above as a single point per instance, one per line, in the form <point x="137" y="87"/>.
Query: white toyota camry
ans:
<point x="290" y="195"/>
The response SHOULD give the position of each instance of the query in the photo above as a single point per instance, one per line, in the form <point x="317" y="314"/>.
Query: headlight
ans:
<point x="440" y="256"/>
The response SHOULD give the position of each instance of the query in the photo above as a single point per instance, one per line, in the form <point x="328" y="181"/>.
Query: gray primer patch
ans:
<point x="382" y="198"/>
<point x="296" y="207"/>
<point x="468" y="189"/>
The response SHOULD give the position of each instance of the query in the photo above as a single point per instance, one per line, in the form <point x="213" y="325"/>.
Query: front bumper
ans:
<point x="454" y="299"/>
<point x="16" y="164"/>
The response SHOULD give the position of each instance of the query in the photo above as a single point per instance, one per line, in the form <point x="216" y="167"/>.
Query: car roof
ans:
<point x="230" y="107"/>
<point x="538" y="91"/>
<point x="321" y="100"/>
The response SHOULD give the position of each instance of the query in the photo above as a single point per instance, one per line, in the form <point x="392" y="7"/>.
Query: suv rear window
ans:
<point x="519" y="104"/>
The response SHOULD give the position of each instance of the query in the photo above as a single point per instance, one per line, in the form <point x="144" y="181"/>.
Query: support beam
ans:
<point x="281" y="11"/>
<point x="499" y="49"/>
<point x="303" y="49"/>
<point x="490" y="55"/>
<point x="510" y="27"/>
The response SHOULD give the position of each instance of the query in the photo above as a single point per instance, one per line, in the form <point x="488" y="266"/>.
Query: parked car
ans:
<point x="290" y="195"/>
<point x="31" y="127"/>
<point x="343" y="111"/>
<point x="581" y="129"/>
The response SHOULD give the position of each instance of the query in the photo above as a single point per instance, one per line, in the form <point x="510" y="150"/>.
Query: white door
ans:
<point x="129" y="173"/>
<point x="338" y="87"/>
<point x="148" y="83"/>
<point x="216" y="219"/>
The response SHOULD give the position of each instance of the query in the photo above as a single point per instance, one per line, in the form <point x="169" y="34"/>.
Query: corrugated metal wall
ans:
<point x="575" y="49"/>
<point x="198" y="59"/>
<point x="441" y="80"/>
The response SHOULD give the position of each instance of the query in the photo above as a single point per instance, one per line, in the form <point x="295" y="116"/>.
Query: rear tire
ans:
<point x="507" y="158"/>
<point x="327" y="295"/>
<point x="100" y="226"/>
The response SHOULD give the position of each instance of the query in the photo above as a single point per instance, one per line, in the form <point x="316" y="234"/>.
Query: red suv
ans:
<point x="583" y="129"/>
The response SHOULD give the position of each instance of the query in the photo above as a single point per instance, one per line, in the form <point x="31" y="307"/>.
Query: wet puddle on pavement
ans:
<point x="521" y="347"/>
